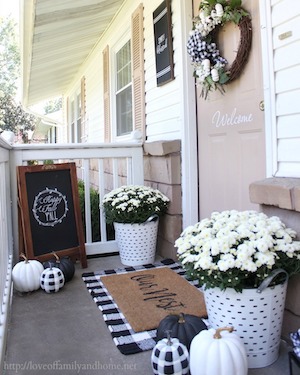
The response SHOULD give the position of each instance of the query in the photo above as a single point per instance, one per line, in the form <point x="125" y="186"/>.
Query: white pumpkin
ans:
<point x="214" y="354"/>
<point x="26" y="275"/>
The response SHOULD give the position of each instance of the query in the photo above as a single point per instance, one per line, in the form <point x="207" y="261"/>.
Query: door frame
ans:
<point x="189" y="182"/>
<point x="269" y="87"/>
<point x="190" y="178"/>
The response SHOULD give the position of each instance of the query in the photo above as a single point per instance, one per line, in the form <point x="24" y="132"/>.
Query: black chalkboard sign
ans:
<point x="50" y="212"/>
<point x="163" y="43"/>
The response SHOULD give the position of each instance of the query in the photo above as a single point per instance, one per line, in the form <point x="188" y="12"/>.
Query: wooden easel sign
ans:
<point x="50" y="212"/>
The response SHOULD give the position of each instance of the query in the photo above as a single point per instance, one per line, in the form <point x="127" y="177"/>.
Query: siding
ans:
<point x="163" y="120"/>
<point x="162" y="103"/>
<point x="285" y="18"/>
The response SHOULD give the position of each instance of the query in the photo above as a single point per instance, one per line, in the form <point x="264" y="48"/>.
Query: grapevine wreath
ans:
<point x="210" y="68"/>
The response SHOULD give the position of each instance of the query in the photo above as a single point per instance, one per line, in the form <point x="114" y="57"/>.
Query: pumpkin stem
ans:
<point x="22" y="255"/>
<point x="217" y="334"/>
<point x="181" y="318"/>
<point x="56" y="256"/>
<point x="169" y="342"/>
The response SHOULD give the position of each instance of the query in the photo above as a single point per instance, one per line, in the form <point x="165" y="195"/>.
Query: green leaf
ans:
<point x="235" y="4"/>
<point x="223" y="78"/>
<point x="209" y="80"/>
<point x="236" y="18"/>
<point x="211" y="2"/>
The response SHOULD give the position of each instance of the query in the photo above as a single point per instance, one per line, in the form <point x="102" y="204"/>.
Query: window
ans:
<point x="72" y="124"/>
<point x="124" y="91"/>
<point x="78" y="118"/>
<point x="52" y="135"/>
<point x="124" y="83"/>
<point x="75" y="118"/>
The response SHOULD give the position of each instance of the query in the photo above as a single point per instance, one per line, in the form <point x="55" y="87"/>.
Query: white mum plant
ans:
<point x="133" y="204"/>
<point x="234" y="249"/>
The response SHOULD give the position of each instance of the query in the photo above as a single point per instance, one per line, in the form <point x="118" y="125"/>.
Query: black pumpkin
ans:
<point x="183" y="326"/>
<point x="65" y="264"/>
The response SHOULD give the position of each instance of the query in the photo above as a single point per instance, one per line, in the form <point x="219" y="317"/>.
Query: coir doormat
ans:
<point x="116" y="296"/>
<point x="146" y="297"/>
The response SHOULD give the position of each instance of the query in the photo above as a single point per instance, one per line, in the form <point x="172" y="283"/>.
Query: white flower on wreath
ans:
<point x="212" y="13"/>
<point x="206" y="59"/>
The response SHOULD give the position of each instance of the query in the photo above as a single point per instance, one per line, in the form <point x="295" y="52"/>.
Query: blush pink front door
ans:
<point x="231" y="134"/>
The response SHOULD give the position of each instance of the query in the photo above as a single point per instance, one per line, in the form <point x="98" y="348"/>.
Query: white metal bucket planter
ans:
<point x="255" y="314"/>
<point x="137" y="242"/>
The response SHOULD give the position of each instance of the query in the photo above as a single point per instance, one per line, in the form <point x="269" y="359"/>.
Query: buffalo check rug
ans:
<point x="127" y="340"/>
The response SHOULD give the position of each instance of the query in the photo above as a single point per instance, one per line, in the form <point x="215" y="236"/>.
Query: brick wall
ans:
<point x="162" y="170"/>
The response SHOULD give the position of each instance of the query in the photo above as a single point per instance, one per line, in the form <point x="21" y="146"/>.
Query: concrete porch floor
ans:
<point x="64" y="333"/>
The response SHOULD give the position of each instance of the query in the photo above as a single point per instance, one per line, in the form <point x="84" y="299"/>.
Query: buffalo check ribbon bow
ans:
<point x="295" y="337"/>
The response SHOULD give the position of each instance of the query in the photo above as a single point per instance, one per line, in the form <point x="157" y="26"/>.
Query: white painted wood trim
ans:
<point x="269" y="88"/>
<point x="6" y="246"/>
<point x="5" y="301"/>
<point x="190" y="203"/>
<point x="87" y="200"/>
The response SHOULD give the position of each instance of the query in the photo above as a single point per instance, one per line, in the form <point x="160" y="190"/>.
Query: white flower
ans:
<point x="215" y="75"/>
<point x="262" y="245"/>
<point x="249" y="266"/>
<point x="189" y="258"/>
<point x="205" y="263"/>
<point x="227" y="261"/>
<point x="243" y="253"/>
<point x="247" y="242"/>
<point x="139" y="202"/>
<point x="267" y="259"/>
<point x="200" y="27"/>
<point x="219" y="10"/>
<point x="206" y="64"/>
<point x="202" y="15"/>
<point x="216" y="247"/>
<point x="296" y="245"/>
<point x="122" y="206"/>
<point x="183" y="247"/>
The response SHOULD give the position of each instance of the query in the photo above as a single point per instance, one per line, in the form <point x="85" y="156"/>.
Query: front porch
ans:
<point x="64" y="333"/>
<point x="102" y="166"/>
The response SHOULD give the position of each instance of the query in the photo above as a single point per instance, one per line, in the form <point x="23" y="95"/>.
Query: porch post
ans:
<point x="190" y="204"/>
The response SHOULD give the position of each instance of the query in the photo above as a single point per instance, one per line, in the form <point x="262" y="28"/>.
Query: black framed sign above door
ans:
<point x="163" y="43"/>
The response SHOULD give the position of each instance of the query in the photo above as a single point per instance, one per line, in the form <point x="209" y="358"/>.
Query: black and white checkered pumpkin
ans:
<point x="52" y="280"/>
<point x="295" y="337"/>
<point x="169" y="356"/>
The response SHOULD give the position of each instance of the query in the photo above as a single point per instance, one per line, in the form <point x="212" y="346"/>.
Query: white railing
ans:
<point x="125" y="167"/>
<point x="6" y="245"/>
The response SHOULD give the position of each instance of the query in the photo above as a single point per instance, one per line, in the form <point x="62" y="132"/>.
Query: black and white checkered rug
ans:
<point x="126" y="339"/>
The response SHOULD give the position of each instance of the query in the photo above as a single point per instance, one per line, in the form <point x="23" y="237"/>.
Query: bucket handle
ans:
<point x="153" y="217"/>
<point x="267" y="281"/>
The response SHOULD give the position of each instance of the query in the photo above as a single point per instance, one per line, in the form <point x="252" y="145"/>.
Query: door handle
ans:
<point x="262" y="105"/>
